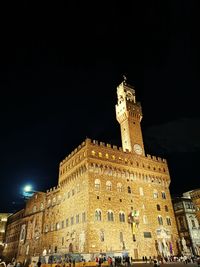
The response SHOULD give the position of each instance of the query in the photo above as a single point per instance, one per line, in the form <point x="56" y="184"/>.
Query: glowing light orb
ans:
<point x="27" y="188"/>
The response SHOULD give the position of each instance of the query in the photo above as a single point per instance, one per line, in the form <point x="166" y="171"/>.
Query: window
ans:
<point x="83" y="217"/>
<point x="67" y="222"/>
<point x="121" y="216"/>
<point x="41" y="206"/>
<point x="145" y="221"/>
<point x="141" y="191"/>
<point x="181" y="223"/>
<point x="163" y="195"/>
<point x="158" y="207"/>
<point x="168" y="221"/>
<point x="102" y="235"/>
<point x="108" y="186"/>
<point x="129" y="189"/>
<point x="97" y="215"/>
<point x="147" y="234"/>
<point x="93" y="153"/>
<point x="34" y="208"/>
<point x="72" y="220"/>
<point x="73" y="192"/>
<point x="193" y="224"/>
<point x="57" y="226"/>
<point x="119" y="187"/>
<point x="166" y="208"/>
<point x="155" y="193"/>
<point x="97" y="184"/>
<point x="46" y="228"/>
<point x="77" y="218"/>
<point x="110" y="216"/>
<point x="62" y="241"/>
<point x="160" y="220"/>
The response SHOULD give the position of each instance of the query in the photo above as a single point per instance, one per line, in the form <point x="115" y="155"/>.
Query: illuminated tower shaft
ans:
<point x="129" y="116"/>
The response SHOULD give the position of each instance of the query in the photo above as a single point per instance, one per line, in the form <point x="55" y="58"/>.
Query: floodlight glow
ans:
<point x="27" y="188"/>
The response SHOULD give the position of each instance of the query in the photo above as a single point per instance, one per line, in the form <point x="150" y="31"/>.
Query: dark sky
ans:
<point x="60" y="64"/>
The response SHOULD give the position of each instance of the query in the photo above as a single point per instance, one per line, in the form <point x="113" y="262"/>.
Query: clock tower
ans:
<point x="129" y="116"/>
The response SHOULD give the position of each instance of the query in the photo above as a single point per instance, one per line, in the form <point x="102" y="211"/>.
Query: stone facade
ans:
<point x="195" y="196"/>
<point x="3" y="222"/>
<point x="108" y="199"/>
<point x="188" y="226"/>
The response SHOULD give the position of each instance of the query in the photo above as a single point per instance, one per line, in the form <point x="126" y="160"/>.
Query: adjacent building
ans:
<point x="195" y="196"/>
<point x="188" y="225"/>
<point x="3" y="221"/>
<point x="109" y="199"/>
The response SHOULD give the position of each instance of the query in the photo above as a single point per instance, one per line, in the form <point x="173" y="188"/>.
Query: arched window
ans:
<point x="129" y="189"/>
<point x="163" y="195"/>
<point x="97" y="184"/>
<point x="166" y="208"/>
<point x="168" y="221"/>
<point x="158" y="207"/>
<point x="98" y="215"/>
<point x="119" y="187"/>
<point x="121" y="216"/>
<point x="110" y="216"/>
<point x="160" y="220"/>
<point x="155" y="193"/>
<point x="108" y="186"/>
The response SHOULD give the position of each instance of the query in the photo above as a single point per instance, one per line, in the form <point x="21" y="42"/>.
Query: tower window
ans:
<point x="129" y="189"/>
<point x="98" y="215"/>
<point x="158" y="207"/>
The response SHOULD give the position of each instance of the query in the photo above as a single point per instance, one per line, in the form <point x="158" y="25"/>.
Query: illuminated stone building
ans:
<point x="108" y="199"/>
<point x="187" y="224"/>
<point x="195" y="196"/>
<point x="3" y="221"/>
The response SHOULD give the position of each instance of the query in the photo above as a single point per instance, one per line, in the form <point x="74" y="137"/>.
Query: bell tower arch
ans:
<point x="129" y="116"/>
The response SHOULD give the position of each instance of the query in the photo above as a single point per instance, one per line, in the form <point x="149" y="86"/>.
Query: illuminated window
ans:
<point x="41" y="206"/>
<point x="54" y="200"/>
<point x="93" y="153"/>
<point x="97" y="184"/>
<point x="57" y="226"/>
<point x="107" y="156"/>
<point x="49" y="202"/>
<point x="166" y="208"/>
<point x="100" y="154"/>
<point x="34" y="208"/>
<point x="160" y="220"/>
<point x="97" y="215"/>
<point x="119" y="187"/>
<point x="155" y="193"/>
<point x="108" y="186"/>
<point x="110" y="216"/>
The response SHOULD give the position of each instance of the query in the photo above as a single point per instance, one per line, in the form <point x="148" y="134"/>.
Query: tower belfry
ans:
<point x="129" y="116"/>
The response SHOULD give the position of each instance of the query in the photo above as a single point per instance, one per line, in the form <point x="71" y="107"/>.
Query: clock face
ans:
<point x="138" y="149"/>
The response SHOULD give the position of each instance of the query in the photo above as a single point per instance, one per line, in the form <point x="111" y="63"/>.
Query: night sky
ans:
<point x="59" y="68"/>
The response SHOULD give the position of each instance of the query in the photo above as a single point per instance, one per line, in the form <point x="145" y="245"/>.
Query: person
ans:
<point x="39" y="263"/>
<point x="145" y="259"/>
<point x="198" y="261"/>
